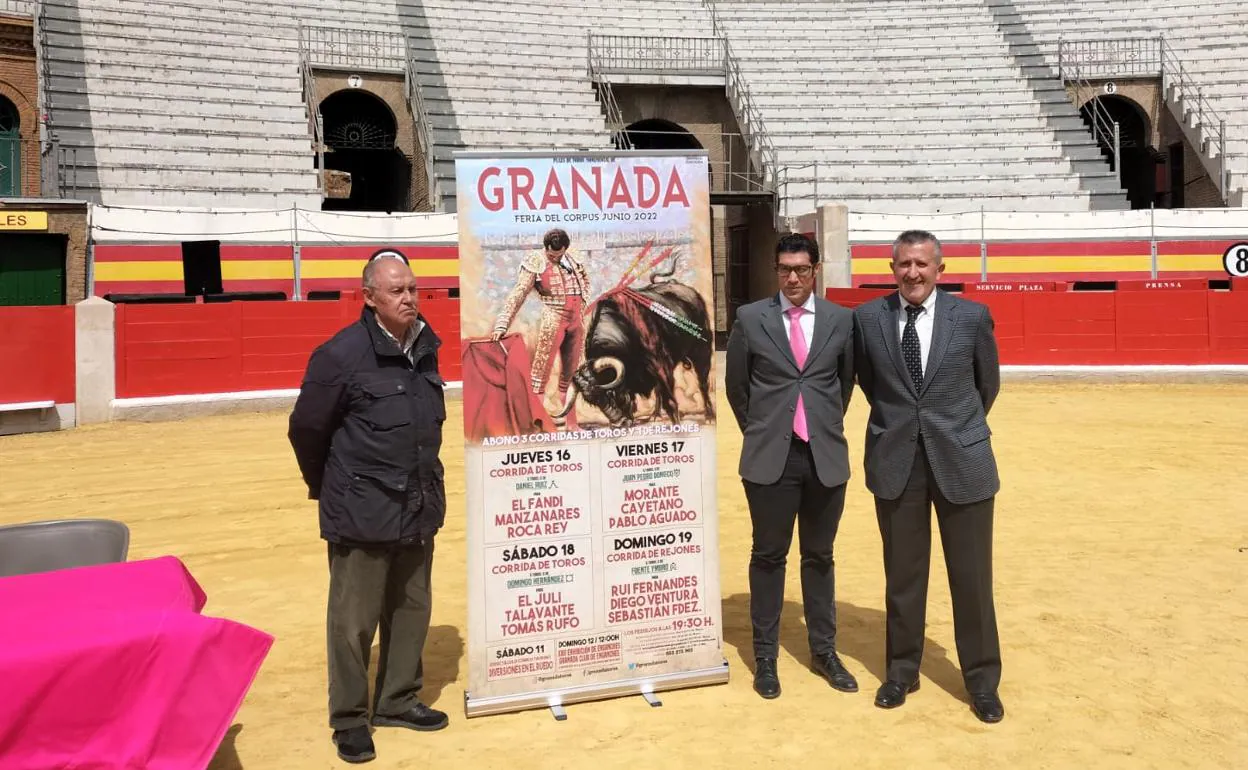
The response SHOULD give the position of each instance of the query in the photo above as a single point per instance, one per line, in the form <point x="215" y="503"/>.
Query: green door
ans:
<point x="10" y="151"/>
<point x="32" y="269"/>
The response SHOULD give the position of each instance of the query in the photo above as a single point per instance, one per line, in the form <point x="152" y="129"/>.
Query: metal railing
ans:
<point x="729" y="164"/>
<point x="1105" y="129"/>
<point x="52" y="182"/>
<point x="757" y="140"/>
<point x="57" y="165"/>
<point x="17" y="7"/>
<point x="657" y="54"/>
<point x="366" y="50"/>
<point x="1079" y="61"/>
<point x="60" y="165"/>
<point x="606" y="97"/>
<point x="1108" y="58"/>
<point x="316" y="124"/>
<point x="1211" y="124"/>
<point x="424" y="128"/>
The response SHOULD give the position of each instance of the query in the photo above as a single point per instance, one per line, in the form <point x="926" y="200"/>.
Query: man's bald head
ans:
<point x="390" y="290"/>
<point x="380" y="259"/>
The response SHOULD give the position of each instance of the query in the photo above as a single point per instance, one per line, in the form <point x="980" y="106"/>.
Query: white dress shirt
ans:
<point x="807" y="319"/>
<point x="922" y="325"/>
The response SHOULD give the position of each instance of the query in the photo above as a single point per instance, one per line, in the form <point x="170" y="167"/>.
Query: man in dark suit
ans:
<point x="789" y="378"/>
<point x="927" y="363"/>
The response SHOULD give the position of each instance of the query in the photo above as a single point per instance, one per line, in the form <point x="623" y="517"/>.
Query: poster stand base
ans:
<point x="556" y="700"/>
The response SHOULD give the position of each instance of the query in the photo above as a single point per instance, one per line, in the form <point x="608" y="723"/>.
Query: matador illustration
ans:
<point x="562" y="284"/>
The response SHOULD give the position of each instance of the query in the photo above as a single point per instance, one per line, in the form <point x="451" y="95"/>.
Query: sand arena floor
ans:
<point x="1121" y="563"/>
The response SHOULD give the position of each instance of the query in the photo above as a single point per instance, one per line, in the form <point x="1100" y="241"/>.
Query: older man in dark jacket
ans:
<point x="367" y="430"/>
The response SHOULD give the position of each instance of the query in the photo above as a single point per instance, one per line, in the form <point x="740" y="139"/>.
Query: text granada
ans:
<point x="572" y="187"/>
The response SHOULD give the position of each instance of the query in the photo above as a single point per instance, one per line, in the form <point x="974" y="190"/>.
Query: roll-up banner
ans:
<point x="589" y="426"/>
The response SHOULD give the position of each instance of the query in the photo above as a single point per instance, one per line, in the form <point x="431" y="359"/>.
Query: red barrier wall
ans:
<point x="1174" y="326"/>
<point x="37" y="354"/>
<point x="233" y="347"/>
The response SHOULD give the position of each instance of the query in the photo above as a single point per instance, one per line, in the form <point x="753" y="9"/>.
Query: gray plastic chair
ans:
<point x="43" y="546"/>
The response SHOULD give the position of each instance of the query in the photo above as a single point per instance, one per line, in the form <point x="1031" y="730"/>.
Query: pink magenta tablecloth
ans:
<point x="114" y="667"/>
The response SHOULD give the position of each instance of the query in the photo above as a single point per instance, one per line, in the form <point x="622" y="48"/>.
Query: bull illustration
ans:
<point x="636" y="339"/>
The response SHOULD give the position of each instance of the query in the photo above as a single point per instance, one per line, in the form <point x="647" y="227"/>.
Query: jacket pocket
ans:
<point x="433" y="509"/>
<point x="386" y="406"/>
<point x="438" y="394"/>
<point x="974" y="435"/>
<point x="375" y="503"/>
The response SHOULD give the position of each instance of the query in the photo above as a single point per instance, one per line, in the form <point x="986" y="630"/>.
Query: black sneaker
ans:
<point x="418" y="717"/>
<point x="355" y="745"/>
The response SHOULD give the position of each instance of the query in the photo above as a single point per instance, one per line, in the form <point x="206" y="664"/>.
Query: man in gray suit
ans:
<point x="927" y="363"/>
<point x="789" y="378"/>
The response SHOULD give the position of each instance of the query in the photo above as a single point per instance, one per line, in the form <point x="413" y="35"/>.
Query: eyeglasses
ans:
<point x="803" y="271"/>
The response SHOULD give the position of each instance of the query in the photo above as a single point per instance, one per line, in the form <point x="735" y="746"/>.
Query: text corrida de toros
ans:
<point x="574" y="188"/>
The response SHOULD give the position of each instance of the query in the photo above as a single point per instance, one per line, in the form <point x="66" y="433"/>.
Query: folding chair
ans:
<point x="43" y="546"/>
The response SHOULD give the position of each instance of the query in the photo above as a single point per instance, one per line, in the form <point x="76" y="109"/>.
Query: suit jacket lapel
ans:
<point x="773" y="326"/>
<point x="942" y="332"/>
<point x="822" y="333"/>
<point x="892" y="338"/>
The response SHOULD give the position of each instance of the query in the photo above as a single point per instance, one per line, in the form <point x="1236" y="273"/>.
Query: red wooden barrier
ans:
<point x="1228" y="327"/>
<point x="852" y="298"/>
<point x="1068" y="328"/>
<point x="1164" y="327"/>
<point x="1008" y="319"/>
<point x="37" y="354"/>
<point x="1015" y="286"/>
<point x="165" y="350"/>
<point x="1168" y="284"/>
<point x="1109" y="328"/>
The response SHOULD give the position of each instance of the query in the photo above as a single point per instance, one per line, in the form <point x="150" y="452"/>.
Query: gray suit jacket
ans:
<point x="962" y="379"/>
<point x="763" y="381"/>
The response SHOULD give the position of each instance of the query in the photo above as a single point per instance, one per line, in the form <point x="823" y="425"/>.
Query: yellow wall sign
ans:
<point x="23" y="220"/>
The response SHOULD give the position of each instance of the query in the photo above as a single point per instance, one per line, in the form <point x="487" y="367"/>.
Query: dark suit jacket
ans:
<point x="763" y="381"/>
<point x="959" y="385"/>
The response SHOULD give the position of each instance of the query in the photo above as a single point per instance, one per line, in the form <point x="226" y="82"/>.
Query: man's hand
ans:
<point x="496" y="336"/>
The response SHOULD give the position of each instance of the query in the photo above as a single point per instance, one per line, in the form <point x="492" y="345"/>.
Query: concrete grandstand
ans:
<point x="887" y="105"/>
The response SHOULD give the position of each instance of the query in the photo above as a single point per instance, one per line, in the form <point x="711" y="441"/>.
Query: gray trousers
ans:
<point x="368" y="587"/>
<point x="966" y="535"/>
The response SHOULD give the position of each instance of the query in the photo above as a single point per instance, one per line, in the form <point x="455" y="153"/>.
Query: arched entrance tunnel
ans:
<point x="1139" y="159"/>
<point x="360" y="131"/>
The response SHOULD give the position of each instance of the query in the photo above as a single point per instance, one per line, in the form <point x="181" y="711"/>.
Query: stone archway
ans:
<point x="360" y="133"/>
<point x="1139" y="159"/>
<point x="659" y="134"/>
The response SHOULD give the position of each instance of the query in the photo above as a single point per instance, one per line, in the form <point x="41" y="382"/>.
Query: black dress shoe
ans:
<point x="829" y="666"/>
<point x="766" y="680"/>
<point x="355" y="745"/>
<point x="418" y="717"/>
<point x="893" y="694"/>
<point x="988" y="707"/>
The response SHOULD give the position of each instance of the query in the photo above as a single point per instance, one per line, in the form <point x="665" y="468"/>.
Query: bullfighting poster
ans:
<point x="589" y="425"/>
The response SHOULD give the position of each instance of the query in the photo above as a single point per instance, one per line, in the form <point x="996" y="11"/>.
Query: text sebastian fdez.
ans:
<point x="591" y="531"/>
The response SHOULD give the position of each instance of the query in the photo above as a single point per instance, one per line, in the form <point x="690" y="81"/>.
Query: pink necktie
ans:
<point x="797" y="340"/>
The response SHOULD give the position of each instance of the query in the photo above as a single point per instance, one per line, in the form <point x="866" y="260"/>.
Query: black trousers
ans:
<point x="966" y="535"/>
<point x="367" y="587"/>
<point x="799" y="496"/>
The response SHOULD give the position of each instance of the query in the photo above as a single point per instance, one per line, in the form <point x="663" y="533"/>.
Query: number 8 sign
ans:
<point x="1235" y="260"/>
